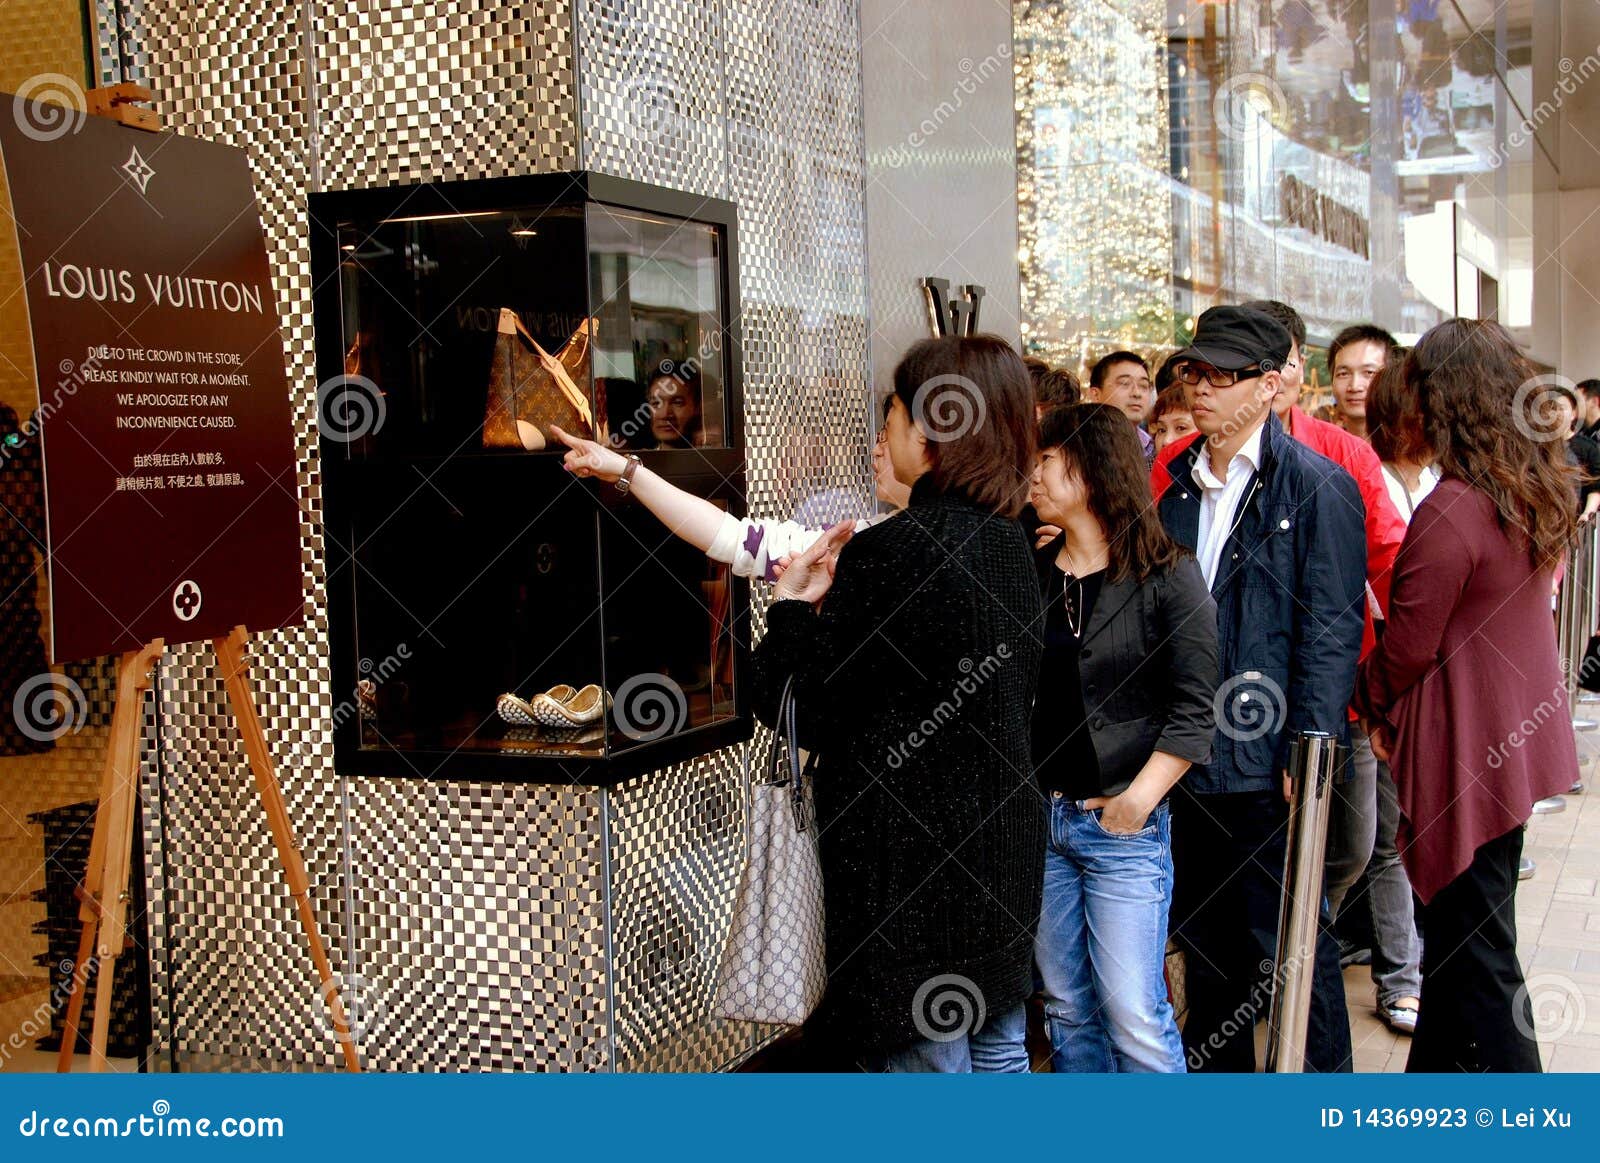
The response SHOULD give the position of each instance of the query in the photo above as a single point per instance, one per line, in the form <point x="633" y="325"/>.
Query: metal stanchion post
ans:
<point x="1578" y="604"/>
<point x="1311" y="769"/>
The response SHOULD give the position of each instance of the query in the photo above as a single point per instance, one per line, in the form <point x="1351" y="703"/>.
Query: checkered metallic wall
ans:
<point x="486" y="926"/>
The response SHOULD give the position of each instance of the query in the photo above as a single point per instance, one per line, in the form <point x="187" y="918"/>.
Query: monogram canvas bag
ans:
<point x="530" y="390"/>
<point x="773" y="967"/>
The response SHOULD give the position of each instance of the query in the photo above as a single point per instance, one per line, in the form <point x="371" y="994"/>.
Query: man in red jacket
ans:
<point x="1353" y="822"/>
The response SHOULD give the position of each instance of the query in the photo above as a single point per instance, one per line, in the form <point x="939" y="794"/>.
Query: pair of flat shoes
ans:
<point x="560" y="707"/>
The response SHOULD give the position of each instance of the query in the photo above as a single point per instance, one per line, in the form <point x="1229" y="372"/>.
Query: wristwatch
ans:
<point x="625" y="481"/>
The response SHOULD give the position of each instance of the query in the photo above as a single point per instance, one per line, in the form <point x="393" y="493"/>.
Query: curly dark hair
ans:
<point x="1484" y="427"/>
<point x="1099" y="444"/>
<point x="1394" y="416"/>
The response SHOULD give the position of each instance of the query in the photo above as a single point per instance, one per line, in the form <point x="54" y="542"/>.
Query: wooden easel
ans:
<point x="103" y="896"/>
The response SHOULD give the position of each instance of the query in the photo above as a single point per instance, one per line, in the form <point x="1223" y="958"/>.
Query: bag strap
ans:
<point x="784" y="768"/>
<point x="558" y="373"/>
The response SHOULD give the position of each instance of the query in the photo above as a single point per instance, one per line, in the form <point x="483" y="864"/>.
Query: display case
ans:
<point x="490" y="615"/>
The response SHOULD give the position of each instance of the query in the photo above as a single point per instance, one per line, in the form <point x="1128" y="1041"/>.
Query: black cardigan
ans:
<point x="915" y="683"/>
<point x="1148" y="666"/>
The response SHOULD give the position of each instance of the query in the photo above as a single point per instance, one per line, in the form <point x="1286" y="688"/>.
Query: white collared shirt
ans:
<point x="1219" y="500"/>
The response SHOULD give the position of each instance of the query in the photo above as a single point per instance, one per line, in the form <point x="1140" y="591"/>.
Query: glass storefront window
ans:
<point x="1177" y="154"/>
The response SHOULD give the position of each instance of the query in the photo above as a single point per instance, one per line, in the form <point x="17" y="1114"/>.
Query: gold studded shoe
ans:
<point x="520" y="712"/>
<point x="586" y="706"/>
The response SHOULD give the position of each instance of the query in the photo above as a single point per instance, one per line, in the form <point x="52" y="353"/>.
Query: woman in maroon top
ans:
<point x="1465" y="690"/>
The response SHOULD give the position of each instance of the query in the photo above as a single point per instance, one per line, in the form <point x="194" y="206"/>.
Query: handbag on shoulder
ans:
<point x="531" y="390"/>
<point x="774" y="965"/>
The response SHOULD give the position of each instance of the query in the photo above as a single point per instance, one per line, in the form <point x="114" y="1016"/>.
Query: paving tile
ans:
<point x="1555" y="957"/>
<point x="1573" y="1060"/>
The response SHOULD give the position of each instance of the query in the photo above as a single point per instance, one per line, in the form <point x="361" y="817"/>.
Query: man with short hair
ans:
<point x="1589" y="393"/>
<point x="1122" y="379"/>
<point x="1582" y="452"/>
<point x="1278" y="531"/>
<point x="1355" y="357"/>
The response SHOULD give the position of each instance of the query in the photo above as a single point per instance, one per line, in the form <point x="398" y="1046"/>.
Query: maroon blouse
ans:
<point x="1468" y="679"/>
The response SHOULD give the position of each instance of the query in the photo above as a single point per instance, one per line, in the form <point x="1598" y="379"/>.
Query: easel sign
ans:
<point x="163" y="417"/>
<point x="168" y="456"/>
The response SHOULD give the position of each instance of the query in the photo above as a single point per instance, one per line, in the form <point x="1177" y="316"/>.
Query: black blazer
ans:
<point x="1148" y="666"/>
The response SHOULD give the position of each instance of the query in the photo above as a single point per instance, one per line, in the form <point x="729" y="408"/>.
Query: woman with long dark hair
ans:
<point x="1126" y="688"/>
<point x="914" y="681"/>
<point x="1465" y="695"/>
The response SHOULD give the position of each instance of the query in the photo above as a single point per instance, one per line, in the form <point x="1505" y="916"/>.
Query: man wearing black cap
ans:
<point x="1279" y="533"/>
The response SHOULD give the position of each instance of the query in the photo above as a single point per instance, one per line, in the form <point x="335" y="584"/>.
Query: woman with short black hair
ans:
<point x="914" y="681"/>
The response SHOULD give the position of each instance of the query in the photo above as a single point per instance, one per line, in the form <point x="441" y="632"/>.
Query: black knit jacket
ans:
<point x="915" y="682"/>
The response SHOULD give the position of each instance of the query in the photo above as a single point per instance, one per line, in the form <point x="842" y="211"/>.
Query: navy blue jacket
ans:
<point x="1289" y="591"/>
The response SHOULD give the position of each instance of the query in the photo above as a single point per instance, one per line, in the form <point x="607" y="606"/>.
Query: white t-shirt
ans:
<point x="1406" y="501"/>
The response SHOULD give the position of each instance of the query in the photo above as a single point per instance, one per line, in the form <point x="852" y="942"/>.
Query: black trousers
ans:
<point x="1475" y="1014"/>
<point x="1227" y="857"/>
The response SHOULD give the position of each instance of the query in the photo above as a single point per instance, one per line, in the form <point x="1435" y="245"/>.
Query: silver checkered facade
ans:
<point x="476" y="925"/>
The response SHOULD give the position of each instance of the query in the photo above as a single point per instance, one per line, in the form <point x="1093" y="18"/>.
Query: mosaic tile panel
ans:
<point x="468" y="920"/>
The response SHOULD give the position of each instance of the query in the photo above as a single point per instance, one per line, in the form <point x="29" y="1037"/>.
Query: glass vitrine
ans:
<point x="489" y="613"/>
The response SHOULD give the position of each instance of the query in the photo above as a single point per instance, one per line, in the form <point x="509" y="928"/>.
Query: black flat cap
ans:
<point x="1237" y="339"/>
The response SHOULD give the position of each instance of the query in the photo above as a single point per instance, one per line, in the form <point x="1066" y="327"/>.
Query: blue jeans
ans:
<point x="999" y="1046"/>
<point x="1102" y="944"/>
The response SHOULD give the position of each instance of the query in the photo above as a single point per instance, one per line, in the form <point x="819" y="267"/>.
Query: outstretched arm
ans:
<point x="692" y="518"/>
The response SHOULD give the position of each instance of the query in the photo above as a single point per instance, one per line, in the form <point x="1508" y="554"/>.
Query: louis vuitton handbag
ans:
<point x="773" y="966"/>
<point x="531" y="390"/>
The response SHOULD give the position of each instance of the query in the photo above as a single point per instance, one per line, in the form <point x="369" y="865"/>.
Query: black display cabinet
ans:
<point x="456" y="324"/>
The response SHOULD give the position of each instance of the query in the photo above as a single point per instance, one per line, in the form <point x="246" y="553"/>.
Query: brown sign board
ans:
<point x="163" y="421"/>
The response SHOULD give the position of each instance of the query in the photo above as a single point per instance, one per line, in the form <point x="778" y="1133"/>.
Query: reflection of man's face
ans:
<point x="1354" y="368"/>
<point x="1294" y="378"/>
<point x="1126" y="386"/>
<point x="672" y="410"/>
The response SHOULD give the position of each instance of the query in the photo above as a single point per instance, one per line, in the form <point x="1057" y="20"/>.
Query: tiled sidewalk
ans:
<point x="1558" y="934"/>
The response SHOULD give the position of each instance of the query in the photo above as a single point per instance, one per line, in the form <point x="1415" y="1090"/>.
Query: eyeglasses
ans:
<point x="1193" y="373"/>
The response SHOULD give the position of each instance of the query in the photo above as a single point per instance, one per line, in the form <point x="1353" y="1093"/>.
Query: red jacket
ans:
<point x="1385" y="527"/>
